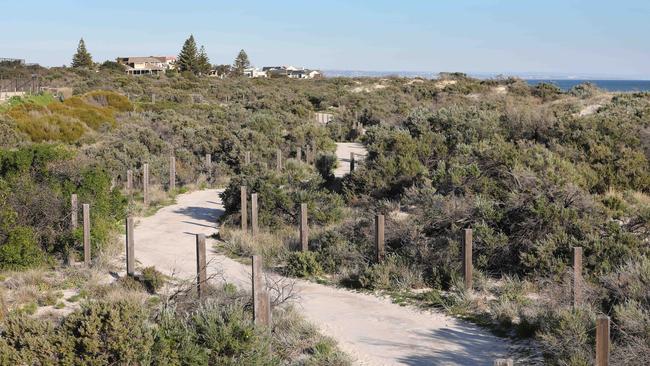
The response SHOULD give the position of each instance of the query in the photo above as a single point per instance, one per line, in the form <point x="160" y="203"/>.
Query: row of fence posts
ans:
<point x="603" y="321"/>
<point x="74" y="207"/>
<point x="261" y="297"/>
<point x="308" y="156"/>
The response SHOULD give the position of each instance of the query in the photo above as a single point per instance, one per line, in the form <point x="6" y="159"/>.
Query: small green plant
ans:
<point x="152" y="279"/>
<point x="130" y="283"/>
<point x="302" y="264"/>
<point x="29" y="308"/>
<point x="59" y="305"/>
<point x="48" y="298"/>
<point x="74" y="298"/>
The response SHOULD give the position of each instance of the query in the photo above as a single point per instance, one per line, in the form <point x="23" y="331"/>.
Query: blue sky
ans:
<point x="510" y="36"/>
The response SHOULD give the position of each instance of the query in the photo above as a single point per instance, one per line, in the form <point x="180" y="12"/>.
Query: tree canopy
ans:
<point x="241" y="62"/>
<point x="187" y="59"/>
<point x="194" y="60"/>
<point x="203" y="62"/>
<point x="82" y="58"/>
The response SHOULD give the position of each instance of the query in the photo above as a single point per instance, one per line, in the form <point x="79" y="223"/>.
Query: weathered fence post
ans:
<point x="351" y="162"/>
<point x="74" y="211"/>
<point x="379" y="238"/>
<point x="86" y="219"/>
<point x="244" y="209"/>
<point x="172" y="173"/>
<point x="130" y="251"/>
<point x="577" y="276"/>
<point x="504" y="362"/>
<point x="247" y="157"/>
<point x="74" y="222"/>
<point x="208" y="160"/>
<point x="602" y="340"/>
<point x="145" y="184"/>
<point x="153" y="98"/>
<point x="261" y="301"/>
<point x="467" y="258"/>
<point x="299" y="153"/>
<point x="278" y="160"/>
<point x="304" y="229"/>
<point x="254" y="224"/>
<point x="201" y="275"/>
<point x="129" y="182"/>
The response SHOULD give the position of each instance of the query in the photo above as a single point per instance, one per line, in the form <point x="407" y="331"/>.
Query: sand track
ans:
<point x="373" y="330"/>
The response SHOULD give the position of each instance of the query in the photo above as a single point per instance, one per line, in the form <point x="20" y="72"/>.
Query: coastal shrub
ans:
<point x="19" y="250"/>
<point x="109" y="333"/>
<point x="576" y="325"/>
<point x="302" y="264"/>
<point x="36" y="183"/>
<point x="68" y="121"/>
<point x="152" y="279"/>
<point x="281" y="194"/>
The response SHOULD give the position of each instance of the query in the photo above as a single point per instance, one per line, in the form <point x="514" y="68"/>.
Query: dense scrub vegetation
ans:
<point x="118" y="325"/>
<point x="533" y="170"/>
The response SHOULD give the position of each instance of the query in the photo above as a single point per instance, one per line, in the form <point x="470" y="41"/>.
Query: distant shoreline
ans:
<point x="564" y="83"/>
<point x="485" y="75"/>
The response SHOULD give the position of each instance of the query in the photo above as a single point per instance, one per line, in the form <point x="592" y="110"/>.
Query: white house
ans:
<point x="291" y="72"/>
<point x="253" y="72"/>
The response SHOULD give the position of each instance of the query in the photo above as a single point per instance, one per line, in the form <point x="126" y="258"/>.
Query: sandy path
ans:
<point x="372" y="330"/>
<point x="343" y="150"/>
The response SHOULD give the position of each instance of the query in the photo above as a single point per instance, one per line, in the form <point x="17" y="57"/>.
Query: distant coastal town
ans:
<point x="191" y="59"/>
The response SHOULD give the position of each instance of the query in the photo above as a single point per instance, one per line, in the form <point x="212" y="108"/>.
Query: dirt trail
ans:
<point x="372" y="330"/>
<point x="343" y="150"/>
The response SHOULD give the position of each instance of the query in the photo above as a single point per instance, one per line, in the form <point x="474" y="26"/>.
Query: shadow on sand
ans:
<point x="201" y="213"/>
<point x="470" y="347"/>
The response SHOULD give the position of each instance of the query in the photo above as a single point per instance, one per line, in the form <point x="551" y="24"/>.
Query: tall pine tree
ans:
<point x="203" y="63"/>
<point x="241" y="62"/>
<point x="82" y="58"/>
<point x="187" y="59"/>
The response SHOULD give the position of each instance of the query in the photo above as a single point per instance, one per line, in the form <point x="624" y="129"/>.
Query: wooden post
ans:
<point x="130" y="251"/>
<point x="247" y="157"/>
<point x="307" y="155"/>
<point x="208" y="160"/>
<point x="153" y="98"/>
<point x="602" y="340"/>
<point x="504" y="362"/>
<point x="74" y="223"/>
<point x="379" y="238"/>
<point x="145" y="184"/>
<point x="265" y="310"/>
<point x="86" y="219"/>
<point x="244" y="209"/>
<point x="172" y="173"/>
<point x="278" y="160"/>
<point x="254" y="224"/>
<point x="261" y="303"/>
<point x="129" y="182"/>
<point x="299" y="153"/>
<point x="74" y="211"/>
<point x="467" y="258"/>
<point x="304" y="229"/>
<point x="201" y="273"/>
<point x="351" y="162"/>
<point x="577" y="276"/>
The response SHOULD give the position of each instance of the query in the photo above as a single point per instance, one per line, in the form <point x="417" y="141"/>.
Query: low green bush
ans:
<point x="302" y="264"/>
<point x="152" y="279"/>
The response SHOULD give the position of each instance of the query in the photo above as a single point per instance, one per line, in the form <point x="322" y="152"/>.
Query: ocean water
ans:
<point x="613" y="85"/>
<point x="609" y="85"/>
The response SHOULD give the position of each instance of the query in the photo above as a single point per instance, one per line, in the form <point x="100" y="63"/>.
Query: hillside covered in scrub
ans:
<point x="534" y="171"/>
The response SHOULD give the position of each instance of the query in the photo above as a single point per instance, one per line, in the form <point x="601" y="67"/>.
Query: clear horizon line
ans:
<point x="521" y="74"/>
